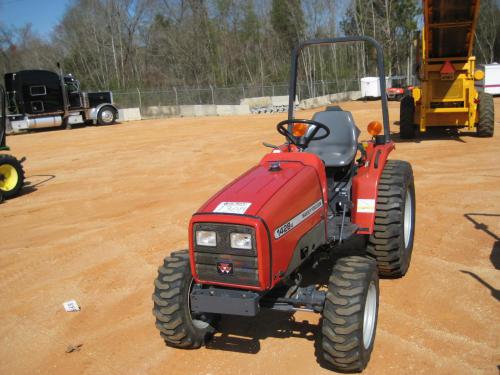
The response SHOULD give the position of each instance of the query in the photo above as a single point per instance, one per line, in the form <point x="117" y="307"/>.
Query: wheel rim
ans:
<point x="370" y="315"/>
<point x="407" y="218"/>
<point x="199" y="324"/>
<point x="107" y="115"/>
<point x="8" y="177"/>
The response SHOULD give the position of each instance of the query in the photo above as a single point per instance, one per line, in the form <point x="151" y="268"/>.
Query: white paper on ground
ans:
<point x="71" y="305"/>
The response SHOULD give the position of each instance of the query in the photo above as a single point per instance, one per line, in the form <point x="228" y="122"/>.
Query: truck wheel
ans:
<point x="391" y="243"/>
<point x="486" y="124"/>
<point x="106" y="116"/>
<point x="177" y="325"/>
<point x="406" y="113"/>
<point x="11" y="176"/>
<point x="350" y="314"/>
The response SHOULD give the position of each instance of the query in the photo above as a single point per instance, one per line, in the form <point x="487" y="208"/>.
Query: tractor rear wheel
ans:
<point x="406" y="114"/>
<point x="391" y="243"/>
<point x="486" y="124"/>
<point x="349" y="319"/>
<point x="177" y="325"/>
<point x="11" y="176"/>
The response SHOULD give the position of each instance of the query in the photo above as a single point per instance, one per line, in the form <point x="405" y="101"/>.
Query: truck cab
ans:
<point x="43" y="99"/>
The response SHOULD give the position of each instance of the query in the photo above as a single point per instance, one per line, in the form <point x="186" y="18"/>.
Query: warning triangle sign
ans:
<point x="447" y="68"/>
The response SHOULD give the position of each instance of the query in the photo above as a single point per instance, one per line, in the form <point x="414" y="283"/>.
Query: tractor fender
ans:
<point x="365" y="187"/>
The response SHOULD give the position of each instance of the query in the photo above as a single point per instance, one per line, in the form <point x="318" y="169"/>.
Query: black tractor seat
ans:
<point x="339" y="148"/>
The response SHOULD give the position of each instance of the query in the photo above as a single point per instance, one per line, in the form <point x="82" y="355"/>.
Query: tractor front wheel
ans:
<point x="406" y="113"/>
<point x="178" y="326"/>
<point x="11" y="176"/>
<point x="391" y="243"/>
<point x="486" y="124"/>
<point x="349" y="318"/>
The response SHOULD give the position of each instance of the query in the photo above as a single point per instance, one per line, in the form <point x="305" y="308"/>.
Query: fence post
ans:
<point x="213" y="99"/>
<point x="345" y="85"/>
<point x="243" y="90"/>
<point x="273" y="89"/>
<point x="140" y="101"/>
<point x="323" y="87"/>
<point x="176" y="98"/>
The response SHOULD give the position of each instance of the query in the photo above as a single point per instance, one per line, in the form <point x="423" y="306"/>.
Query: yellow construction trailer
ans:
<point x="446" y="70"/>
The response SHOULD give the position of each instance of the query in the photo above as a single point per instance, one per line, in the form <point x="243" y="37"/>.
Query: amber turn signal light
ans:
<point x="374" y="128"/>
<point x="299" y="129"/>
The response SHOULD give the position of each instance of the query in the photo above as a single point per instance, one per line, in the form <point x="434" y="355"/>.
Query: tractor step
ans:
<point x="335" y="229"/>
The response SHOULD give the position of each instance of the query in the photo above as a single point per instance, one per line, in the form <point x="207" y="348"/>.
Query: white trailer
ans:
<point x="370" y="87"/>
<point x="491" y="82"/>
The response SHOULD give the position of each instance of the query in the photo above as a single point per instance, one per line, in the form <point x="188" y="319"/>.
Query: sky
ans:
<point x="44" y="15"/>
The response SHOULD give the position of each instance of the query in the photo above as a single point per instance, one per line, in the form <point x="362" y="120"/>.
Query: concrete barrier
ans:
<point x="129" y="114"/>
<point x="161" y="111"/>
<point x="321" y="101"/>
<point x="257" y="102"/>
<point x="198" y="110"/>
<point x="279" y="100"/>
<point x="229" y="110"/>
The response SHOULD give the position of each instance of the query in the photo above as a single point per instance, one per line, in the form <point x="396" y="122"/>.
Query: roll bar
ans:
<point x="348" y="39"/>
<point x="3" y="119"/>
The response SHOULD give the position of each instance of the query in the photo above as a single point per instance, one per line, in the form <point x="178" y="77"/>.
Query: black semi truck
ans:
<point x="43" y="99"/>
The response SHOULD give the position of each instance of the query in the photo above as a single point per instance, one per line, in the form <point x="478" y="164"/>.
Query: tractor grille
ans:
<point x="242" y="263"/>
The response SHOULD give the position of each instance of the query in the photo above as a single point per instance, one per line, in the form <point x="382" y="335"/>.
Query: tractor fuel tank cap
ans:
<point x="275" y="166"/>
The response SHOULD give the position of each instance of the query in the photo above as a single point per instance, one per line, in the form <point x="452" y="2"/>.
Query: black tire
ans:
<point x="171" y="304"/>
<point x="106" y="115"/>
<point x="347" y="342"/>
<point x="391" y="243"/>
<point x="486" y="108"/>
<point x="11" y="176"/>
<point x="406" y="114"/>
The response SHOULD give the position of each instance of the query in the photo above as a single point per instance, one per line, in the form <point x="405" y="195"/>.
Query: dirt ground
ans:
<point x="106" y="204"/>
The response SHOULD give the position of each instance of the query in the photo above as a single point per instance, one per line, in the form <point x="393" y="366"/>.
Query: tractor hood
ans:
<point x="253" y="191"/>
<point x="283" y="200"/>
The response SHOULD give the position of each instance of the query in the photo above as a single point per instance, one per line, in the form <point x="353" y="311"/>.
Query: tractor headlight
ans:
<point x="206" y="238"/>
<point x="241" y="241"/>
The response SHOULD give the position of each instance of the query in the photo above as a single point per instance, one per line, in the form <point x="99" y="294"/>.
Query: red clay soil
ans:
<point x="106" y="204"/>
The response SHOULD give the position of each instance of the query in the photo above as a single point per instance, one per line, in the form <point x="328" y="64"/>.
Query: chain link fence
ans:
<point x="177" y="96"/>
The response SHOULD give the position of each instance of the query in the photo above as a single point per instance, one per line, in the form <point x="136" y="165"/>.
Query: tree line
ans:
<point x="153" y="44"/>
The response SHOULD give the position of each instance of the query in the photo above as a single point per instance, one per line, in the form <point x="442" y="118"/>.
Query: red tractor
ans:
<point x="250" y="243"/>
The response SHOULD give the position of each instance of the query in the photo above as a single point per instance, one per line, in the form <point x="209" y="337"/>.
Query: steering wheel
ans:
<point x="303" y="142"/>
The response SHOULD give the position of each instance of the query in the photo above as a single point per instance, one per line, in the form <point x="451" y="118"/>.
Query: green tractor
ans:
<point x="11" y="169"/>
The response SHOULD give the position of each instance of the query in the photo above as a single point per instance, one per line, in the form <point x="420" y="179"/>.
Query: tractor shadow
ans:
<point x="244" y="334"/>
<point x="495" y="251"/>
<point x="435" y="134"/>
<point x="38" y="180"/>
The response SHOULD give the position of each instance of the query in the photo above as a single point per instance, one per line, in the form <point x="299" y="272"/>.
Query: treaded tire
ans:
<point x="406" y="114"/>
<point x="103" y="116"/>
<point x="171" y="304"/>
<point x="343" y="319"/>
<point x="486" y="124"/>
<point x="9" y="164"/>
<point x="388" y="244"/>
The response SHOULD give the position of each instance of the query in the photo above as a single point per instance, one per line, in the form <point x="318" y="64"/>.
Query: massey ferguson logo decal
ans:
<point x="287" y="227"/>
<point x="225" y="268"/>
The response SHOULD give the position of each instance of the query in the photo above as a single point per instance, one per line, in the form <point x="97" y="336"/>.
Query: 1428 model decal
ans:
<point x="288" y="226"/>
